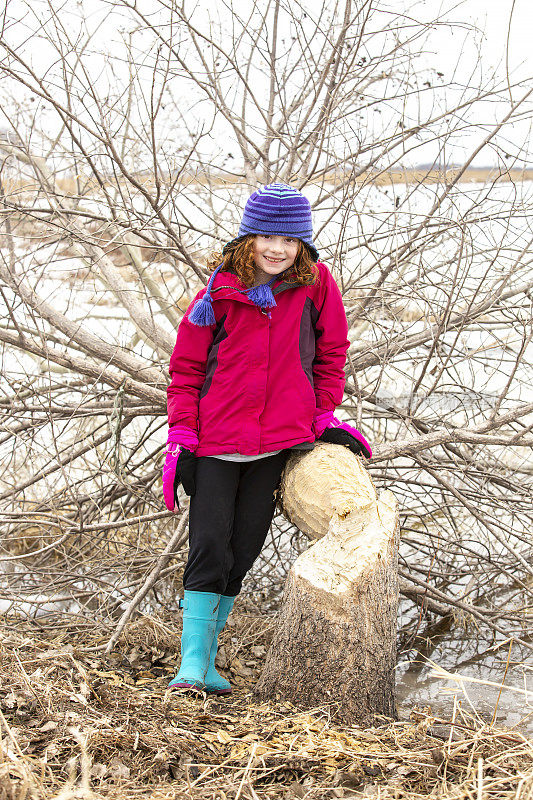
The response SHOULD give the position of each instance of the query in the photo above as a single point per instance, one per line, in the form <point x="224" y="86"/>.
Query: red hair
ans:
<point x="239" y="259"/>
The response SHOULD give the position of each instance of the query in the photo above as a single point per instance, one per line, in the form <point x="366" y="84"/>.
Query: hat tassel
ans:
<point x="262" y="295"/>
<point x="202" y="313"/>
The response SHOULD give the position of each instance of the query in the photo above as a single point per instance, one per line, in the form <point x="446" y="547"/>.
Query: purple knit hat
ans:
<point x="278" y="210"/>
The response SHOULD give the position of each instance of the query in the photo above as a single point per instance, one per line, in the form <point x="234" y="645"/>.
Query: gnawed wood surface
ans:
<point x="335" y="640"/>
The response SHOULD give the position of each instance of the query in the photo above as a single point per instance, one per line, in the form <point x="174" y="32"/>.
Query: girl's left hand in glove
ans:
<point x="330" y="429"/>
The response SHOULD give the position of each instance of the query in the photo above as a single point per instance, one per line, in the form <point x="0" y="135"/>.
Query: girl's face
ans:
<point x="273" y="255"/>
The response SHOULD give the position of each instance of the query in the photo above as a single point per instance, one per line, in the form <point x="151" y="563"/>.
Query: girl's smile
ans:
<point x="273" y="255"/>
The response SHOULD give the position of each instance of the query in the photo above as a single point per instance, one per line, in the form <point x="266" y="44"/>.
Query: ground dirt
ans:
<point x="76" y="723"/>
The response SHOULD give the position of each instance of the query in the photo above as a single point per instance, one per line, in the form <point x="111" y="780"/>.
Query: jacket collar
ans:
<point x="227" y="286"/>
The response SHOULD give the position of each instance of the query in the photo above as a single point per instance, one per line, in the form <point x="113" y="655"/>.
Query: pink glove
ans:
<point x="330" y="429"/>
<point x="181" y="444"/>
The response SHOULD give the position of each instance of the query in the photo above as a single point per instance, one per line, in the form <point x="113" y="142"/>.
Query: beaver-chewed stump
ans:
<point x="335" y="640"/>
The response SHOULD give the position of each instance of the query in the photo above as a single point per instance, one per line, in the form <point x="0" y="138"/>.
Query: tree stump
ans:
<point x="335" y="641"/>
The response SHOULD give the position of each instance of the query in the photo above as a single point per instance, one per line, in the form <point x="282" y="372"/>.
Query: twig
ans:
<point x="175" y="541"/>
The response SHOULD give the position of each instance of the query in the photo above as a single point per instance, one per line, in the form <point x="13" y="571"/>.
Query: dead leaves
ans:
<point x="111" y="723"/>
<point x="15" y="783"/>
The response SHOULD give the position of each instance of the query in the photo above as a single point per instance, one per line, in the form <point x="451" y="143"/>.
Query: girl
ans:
<point x="257" y="371"/>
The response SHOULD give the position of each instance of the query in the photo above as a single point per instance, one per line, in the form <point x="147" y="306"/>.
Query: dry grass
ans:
<point x="78" y="725"/>
<point x="88" y="186"/>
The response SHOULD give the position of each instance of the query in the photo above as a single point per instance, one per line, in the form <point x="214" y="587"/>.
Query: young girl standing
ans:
<point x="257" y="371"/>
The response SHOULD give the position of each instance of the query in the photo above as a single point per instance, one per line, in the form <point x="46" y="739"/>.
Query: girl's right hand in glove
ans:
<point x="180" y="465"/>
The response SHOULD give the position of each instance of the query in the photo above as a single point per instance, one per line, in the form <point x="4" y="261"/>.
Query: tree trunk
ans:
<point x="335" y="641"/>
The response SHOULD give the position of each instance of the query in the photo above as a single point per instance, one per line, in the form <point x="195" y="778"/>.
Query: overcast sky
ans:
<point x="504" y="22"/>
<point x="499" y="19"/>
<point x="495" y="17"/>
<point x="454" y="50"/>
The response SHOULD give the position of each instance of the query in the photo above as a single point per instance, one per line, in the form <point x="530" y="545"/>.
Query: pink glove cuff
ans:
<point x="321" y="421"/>
<point x="182" y="436"/>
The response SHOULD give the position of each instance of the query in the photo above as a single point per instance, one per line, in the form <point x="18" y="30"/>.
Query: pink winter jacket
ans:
<point x="253" y="382"/>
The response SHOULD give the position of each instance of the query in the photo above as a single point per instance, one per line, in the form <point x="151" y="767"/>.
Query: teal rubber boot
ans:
<point x="200" y="613"/>
<point x="213" y="681"/>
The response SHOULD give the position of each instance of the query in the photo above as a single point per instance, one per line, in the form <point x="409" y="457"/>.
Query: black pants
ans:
<point x="229" y="519"/>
